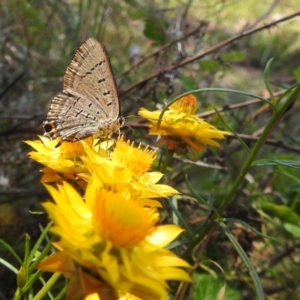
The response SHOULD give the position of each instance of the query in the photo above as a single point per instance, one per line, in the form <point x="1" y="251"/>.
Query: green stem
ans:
<point x="166" y="162"/>
<point x="45" y="289"/>
<point x="277" y="114"/>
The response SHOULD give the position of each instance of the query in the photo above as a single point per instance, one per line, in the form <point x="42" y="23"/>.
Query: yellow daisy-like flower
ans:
<point x="137" y="160"/>
<point x="180" y="129"/>
<point x="110" y="234"/>
<point x="78" y="161"/>
<point x="81" y="284"/>
<point x="64" y="161"/>
<point x="128" y="168"/>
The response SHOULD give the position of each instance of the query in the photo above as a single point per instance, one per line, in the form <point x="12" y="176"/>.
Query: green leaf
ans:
<point x="233" y="56"/>
<point x="283" y="212"/>
<point x="266" y="78"/>
<point x="247" y="262"/>
<point x="5" y="246"/>
<point x="295" y="164"/>
<point x="154" y="31"/>
<point x="207" y="287"/>
<point x="198" y="197"/>
<point x="296" y="73"/>
<point x="249" y="227"/>
<point x="209" y="65"/>
<point x="188" y="82"/>
<point x="231" y="129"/>
<point x="292" y="229"/>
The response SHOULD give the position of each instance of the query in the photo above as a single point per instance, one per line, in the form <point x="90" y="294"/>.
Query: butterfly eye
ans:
<point x="48" y="127"/>
<point x="121" y="121"/>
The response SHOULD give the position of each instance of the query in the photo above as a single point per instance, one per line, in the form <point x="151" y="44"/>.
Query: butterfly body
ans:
<point x="89" y="103"/>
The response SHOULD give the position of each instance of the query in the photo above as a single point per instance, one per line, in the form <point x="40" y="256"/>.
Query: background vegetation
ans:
<point x="160" y="49"/>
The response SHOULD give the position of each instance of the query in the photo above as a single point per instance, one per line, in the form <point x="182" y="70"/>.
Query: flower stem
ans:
<point x="277" y="115"/>
<point x="164" y="165"/>
<point x="45" y="289"/>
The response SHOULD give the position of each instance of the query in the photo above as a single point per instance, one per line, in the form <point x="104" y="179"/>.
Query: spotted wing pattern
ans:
<point x="89" y="103"/>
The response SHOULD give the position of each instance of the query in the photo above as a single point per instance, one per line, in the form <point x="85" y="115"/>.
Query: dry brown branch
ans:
<point x="211" y="50"/>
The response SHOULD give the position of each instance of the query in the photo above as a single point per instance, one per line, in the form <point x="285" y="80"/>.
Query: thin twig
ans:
<point x="211" y="50"/>
<point x="161" y="49"/>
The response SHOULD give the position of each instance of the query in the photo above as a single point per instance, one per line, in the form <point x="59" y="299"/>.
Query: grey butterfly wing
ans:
<point x="90" y="74"/>
<point x="69" y="119"/>
<point x="89" y="102"/>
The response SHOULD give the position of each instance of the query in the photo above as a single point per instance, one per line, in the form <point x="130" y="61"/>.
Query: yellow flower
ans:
<point x="81" y="284"/>
<point x="130" y="297"/>
<point x="127" y="168"/>
<point x="64" y="161"/>
<point x="78" y="161"/>
<point x="110" y="234"/>
<point x="180" y="129"/>
<point x="137" y="160"/>
<point x="187" y="104"/>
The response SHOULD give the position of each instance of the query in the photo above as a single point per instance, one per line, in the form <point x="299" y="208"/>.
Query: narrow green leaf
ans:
<point x="38" y="243"/>
<point x="266" y="78"/>
<point x="295" y="164"/>
<point x="180" y="218"/>
<point x="247" y="262"/>
<point x="250" y="227"/>
<point x="197" y="196"/>
<point x="230" y="129"/>
<point x="8" y="265"/>
<point x="11" y="251"/>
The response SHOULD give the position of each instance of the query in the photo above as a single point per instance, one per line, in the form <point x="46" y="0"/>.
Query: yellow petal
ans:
<point x="164" y="235"/>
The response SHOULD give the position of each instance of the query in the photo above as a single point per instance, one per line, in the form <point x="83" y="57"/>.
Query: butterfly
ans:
<point x="89" y="103"/>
